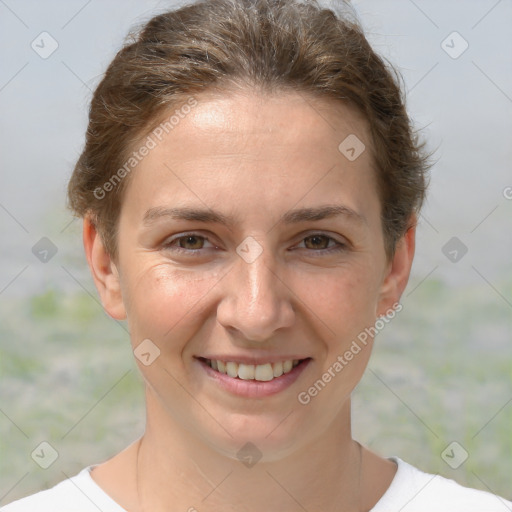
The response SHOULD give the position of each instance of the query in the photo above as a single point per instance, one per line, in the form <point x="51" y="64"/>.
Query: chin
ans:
<point x="254" y="437"/>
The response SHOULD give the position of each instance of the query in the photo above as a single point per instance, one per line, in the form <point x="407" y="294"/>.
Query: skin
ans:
<point x="253" y="157"/>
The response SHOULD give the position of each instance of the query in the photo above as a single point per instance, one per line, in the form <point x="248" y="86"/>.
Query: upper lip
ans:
<point x="244" y="359"/>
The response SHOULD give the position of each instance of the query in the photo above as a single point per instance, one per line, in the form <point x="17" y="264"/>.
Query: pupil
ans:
<point x="190" y="240"/>
<point x="317" y="239"/>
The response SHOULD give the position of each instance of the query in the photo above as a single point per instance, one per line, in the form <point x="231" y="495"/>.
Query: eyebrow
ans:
<point x="291" y="217"/>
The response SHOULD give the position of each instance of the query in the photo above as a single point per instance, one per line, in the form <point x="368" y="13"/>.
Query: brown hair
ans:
<point x="270" y="44"/>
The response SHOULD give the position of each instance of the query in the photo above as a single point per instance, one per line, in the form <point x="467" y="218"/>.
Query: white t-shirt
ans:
<point x="410" y="491"/>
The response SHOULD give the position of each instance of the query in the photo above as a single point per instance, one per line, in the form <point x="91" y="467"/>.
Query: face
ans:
<point x="246" y="236"/>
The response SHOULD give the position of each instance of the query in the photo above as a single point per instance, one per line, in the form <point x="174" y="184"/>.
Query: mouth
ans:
<point x="260" y="372"/>
<point x="254" y="380"/>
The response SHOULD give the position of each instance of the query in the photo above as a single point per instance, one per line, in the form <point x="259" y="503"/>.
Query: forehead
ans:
<point x="266" y="146"/>
<point x="223" y="117"/>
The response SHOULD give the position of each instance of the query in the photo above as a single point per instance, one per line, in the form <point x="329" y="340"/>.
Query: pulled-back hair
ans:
<point x="271" y="45"/>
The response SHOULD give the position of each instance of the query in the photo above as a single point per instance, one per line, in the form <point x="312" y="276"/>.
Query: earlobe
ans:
<point x="103" y="270"/>
<point x="398" y="271"/>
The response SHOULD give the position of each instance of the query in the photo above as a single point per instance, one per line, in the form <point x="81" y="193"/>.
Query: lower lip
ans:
<point x="255" y="388"/>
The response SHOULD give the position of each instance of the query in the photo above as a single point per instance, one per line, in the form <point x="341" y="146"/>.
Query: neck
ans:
<point x="175" y="466"/>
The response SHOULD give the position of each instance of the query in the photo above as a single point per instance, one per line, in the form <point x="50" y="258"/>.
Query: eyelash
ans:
<point x="339" y="247"/>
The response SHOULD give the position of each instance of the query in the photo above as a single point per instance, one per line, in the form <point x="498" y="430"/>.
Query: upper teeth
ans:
<point x="261" y="372"/>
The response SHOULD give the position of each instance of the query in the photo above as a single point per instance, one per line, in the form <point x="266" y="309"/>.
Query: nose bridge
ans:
<point x="259" y="286"/>
<point x="256" y="302"/>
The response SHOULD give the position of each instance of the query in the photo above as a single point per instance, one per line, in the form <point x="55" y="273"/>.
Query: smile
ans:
<point x="261" y="372"/>
<point x="253" y="380"/>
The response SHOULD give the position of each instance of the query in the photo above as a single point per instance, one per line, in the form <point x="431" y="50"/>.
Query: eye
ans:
<point x="193" y="243"/>
<point x="187" y="243"/>
<point x="319" y="242"/>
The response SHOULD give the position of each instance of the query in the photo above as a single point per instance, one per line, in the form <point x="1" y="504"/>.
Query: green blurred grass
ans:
<point x="445" y="360"/>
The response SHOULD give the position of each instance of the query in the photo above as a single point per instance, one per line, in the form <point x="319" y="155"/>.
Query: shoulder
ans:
<point x="413" y="490"/>
<point x="79" y="493"/>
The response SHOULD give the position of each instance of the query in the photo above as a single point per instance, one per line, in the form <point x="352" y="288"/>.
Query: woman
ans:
<point x="250" y="187"/>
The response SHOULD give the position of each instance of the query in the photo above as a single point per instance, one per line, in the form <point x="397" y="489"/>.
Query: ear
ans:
<point x="398" y="270"/>
<point x="103" y="270"/>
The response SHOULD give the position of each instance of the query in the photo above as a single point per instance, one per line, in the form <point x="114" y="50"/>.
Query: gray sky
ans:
<point x="464" y="103"/>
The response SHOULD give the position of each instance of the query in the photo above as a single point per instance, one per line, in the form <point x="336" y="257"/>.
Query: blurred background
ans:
<point x="438" y="390"/>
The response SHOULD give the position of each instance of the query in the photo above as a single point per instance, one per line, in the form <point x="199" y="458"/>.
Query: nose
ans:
<point x="256" y="300"/>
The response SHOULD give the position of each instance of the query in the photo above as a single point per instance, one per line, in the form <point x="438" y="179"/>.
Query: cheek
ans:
<point x="344" y="300"/>
<point x="165" y="302"/>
